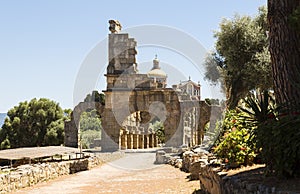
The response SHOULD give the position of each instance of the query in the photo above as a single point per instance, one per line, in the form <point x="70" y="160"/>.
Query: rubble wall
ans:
<point x="28" y="175"/>
<point x="213" y="181"/>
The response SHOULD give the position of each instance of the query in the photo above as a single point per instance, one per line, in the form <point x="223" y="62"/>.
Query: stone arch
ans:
<point x="208" y="113"/>
<point x="163" y="104"/>
<point x="71" y="126"/>
<point x="153" y="101"/>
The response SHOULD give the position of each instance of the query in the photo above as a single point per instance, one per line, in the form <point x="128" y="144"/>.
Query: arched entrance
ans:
<point x="126" y="124"/>
<point x="163" y="104"/>
<point x="72" y="126"/>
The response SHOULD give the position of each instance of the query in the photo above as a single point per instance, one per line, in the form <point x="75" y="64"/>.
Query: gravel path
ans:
<point x="134" y="173"/>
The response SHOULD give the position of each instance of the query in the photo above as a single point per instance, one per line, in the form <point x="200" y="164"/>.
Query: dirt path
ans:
<point x="135" y="173"/>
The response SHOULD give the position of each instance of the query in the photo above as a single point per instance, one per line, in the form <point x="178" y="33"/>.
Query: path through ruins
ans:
<point x="135" y="173"/>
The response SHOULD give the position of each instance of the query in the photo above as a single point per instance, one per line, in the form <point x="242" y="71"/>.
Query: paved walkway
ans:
<point x="135" y="173"/>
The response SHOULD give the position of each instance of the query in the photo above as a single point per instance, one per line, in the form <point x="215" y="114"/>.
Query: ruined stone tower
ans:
<point x="141" y="98"/>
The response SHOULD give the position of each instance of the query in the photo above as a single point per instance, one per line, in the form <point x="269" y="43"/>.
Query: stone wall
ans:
<point x="214" y="181"/>
<point x="214" y="178"/>
<point x="191" y="161"/>
<point x="28" y="175"/>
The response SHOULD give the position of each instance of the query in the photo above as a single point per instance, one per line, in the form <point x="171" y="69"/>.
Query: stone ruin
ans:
<point x="133" y="100"/>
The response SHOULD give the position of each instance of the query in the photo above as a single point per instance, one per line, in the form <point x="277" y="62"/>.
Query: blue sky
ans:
<point x="43" y="43"/>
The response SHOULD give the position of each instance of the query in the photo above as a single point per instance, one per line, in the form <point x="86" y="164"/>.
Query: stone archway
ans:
<point x="161" y="103"/>
<point x="128" y="91"/>
<point x="164" y="104"/>
<point x="71" y="126"/>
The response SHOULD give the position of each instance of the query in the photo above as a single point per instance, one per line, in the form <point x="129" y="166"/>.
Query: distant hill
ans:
<point x="2" y="118"/>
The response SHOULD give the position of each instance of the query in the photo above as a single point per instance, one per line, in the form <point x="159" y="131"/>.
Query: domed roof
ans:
<point x="156" y="71"/>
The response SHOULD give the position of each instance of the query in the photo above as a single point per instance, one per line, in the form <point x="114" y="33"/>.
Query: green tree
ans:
<point x="273" y="135"/>
<point x="95" y="97"/>
<point x="158" y="127"/>
<point x="35" y="123"/>
<point x="90" y="120"/>
<point x="283" y="17"/>
<point x="67" y="114"/>
<point x="90" y="127"/>
<point x="241" y="61"/>
<point x="87" y="138"/>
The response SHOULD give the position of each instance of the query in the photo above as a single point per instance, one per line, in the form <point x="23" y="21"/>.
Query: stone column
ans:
<point x="124" y="141"/>
<point x="195" y="137"/>
<point x="135" y="141"/>
<point x="151" y="140"/>
<point x="129" y="141"/>
<point x="141" y="141"/>
<point x="146" y="141"/>
<point x="155" y="140"/>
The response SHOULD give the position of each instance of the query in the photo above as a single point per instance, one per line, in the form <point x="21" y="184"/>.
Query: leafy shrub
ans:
<point x="279" y="139"/>
<point x="159" y="130"/>
<point x="264" y="129"/>
<point x="277" y="134"/>
<point x="236" y="145"/>
<point x="236" y="149"/>
<point x="260" y="106"/>
<point x="87" y="138"/>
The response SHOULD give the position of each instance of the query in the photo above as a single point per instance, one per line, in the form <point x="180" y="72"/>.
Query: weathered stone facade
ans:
<point x="129" y="92"/>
